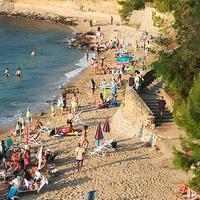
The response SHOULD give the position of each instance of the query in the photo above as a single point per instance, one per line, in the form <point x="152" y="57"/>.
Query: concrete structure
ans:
<point x="134" y="118"/>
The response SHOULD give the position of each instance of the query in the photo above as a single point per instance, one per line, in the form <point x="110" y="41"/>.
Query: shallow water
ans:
<point x="53" y="65"/>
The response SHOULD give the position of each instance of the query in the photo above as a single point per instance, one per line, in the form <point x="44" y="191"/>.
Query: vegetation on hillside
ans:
<point x="180" y="69"/>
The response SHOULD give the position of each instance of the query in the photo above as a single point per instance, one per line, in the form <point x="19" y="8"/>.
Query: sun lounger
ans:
<point x="43" y="129"/>
<point x="99" y="151"/>
<point x="90" y="195"/>
<point x="77" y="118"/>
<point x="111" y="144"/>
<point x="34" y="139"/>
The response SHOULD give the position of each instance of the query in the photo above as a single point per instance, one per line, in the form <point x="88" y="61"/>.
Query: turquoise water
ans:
<point x="54" y="65"/>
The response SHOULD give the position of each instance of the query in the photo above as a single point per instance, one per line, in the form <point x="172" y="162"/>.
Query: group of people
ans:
<point x="17" y="73"/>
<point x="24" y="172"/>
<point x="62" y="104"/>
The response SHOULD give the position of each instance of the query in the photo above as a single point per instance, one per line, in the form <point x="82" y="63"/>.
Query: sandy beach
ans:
<point x="134" y="171"/>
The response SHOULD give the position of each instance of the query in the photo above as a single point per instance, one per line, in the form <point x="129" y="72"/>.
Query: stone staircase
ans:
<point x="150" y="95"/>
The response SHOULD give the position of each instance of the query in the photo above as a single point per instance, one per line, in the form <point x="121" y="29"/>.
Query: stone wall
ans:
<point x="134" y="118"/>
<point x="142" y="20"/>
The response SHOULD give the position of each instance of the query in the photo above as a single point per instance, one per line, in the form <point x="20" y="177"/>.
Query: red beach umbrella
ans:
<point x="106" y="127"/>
<point x="99" y="134"/>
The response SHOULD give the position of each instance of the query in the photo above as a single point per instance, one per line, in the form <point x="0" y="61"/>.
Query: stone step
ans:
<point x="163" y="120"/>
<point x="165" y="114"/>
<point x="160" y="125"/>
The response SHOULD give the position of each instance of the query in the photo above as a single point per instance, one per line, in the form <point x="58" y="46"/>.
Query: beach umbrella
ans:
<point x="40" y="158"/>
<point x="28" y="115"/>
<point x="21" y="122"/>
<point x="29" y="119"/>
<point x="106" y="127"/>
<point x="17" y="129"/>
<point x="99" y="134"/>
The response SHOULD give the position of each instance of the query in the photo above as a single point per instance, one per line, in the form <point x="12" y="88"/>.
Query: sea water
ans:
<point x="53" y="65"/>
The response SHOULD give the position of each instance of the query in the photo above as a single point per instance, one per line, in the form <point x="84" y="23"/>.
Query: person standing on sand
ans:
<point x="91" y="24"/>
<point x="84" y="141"/>
<point x="74" y="103"/>
<point x="80" y="152"/>
<point x="93" y="87"/>
<point x="111" y="20"/>
<point x="64" y="102"/>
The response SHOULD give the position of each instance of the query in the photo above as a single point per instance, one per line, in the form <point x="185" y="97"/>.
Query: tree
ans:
<point x="128" y="6"/>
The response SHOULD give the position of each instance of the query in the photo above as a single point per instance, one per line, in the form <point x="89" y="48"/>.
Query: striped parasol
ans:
<point x="17" y="129"/>
<point x="21" y="122"/>
<point x="29" y="119"/>
<point x="28" y="115"/>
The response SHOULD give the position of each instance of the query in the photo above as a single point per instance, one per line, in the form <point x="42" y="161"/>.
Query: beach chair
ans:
<point x="77" y="118"/>
<point x="110" y="145"/>
<point x="99" y="151"/>
<point x="9" y="143"/>
<point x="91" y="195"/>
<point x="44" y="129"/>
<point x="34" y="139"/>
<point x="11" y="193"/>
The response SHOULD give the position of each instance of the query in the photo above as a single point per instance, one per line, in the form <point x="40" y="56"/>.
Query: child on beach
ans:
<point x="64" y="101"/>
<point x="84" y="141"/>
<point x="80" y="152"/>
<point x="93" y="87"/>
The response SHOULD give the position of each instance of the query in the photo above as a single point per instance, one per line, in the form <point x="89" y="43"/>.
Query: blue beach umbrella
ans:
<point x="99" y="134"/>
<point x="21" y="122"/>
<point x="17" y="129"/>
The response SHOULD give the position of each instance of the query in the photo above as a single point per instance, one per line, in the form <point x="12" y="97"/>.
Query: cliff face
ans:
<point x="94" y="9"/>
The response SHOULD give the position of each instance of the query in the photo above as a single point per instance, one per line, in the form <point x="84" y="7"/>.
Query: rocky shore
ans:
<point x="48" y="18"/>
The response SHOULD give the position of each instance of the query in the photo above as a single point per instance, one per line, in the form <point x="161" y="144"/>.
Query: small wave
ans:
<point x="73" y="73"/>
<point x="82" y="64"/>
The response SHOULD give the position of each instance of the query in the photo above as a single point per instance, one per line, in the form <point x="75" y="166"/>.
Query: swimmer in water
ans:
<point x="6" y="73"/>
<point x="33" y="53"/>
<point x="18" y="72"/>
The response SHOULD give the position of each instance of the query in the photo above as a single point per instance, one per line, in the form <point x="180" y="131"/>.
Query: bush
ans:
<point x="181" y="161"/>
<point x="128" y="6"/>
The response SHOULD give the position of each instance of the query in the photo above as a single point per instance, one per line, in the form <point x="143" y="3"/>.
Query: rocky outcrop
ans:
<point x="50" y="18"/>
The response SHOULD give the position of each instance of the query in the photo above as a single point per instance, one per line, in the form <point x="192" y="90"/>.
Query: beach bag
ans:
<point x="114" y="144"/>
<point x="52" y="132"/>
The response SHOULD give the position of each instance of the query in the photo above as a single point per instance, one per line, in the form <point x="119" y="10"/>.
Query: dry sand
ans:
<point x="134" y="171"/>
